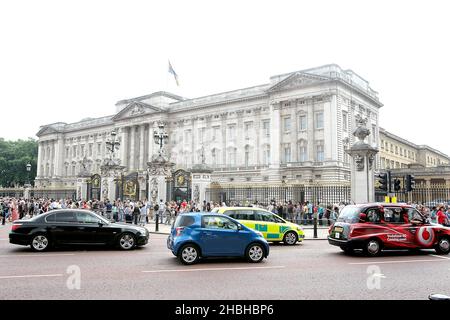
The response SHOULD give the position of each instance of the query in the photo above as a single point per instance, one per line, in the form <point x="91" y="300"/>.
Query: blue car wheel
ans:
<point x="189" y="254"/>
<point x="255" y="253"/>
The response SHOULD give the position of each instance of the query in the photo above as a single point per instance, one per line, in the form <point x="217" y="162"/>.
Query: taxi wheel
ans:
<point x="290" y="238"/>
<point x="443" y="246"/>
<point x="372" y="248"/>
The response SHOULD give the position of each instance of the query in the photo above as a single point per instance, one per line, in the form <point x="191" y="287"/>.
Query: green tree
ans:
<point x="14" y="156"/>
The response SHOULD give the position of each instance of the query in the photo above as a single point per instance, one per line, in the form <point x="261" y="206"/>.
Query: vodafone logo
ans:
<point x="425" y="236"/>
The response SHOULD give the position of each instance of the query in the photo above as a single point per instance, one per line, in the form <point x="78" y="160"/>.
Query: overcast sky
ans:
<point x="62" y="61"/>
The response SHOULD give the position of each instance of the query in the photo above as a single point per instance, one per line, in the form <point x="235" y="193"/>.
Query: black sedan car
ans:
<point x="75" y="227"/>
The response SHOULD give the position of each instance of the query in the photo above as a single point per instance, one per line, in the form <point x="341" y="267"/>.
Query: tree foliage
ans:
<point x="14" y="157"/>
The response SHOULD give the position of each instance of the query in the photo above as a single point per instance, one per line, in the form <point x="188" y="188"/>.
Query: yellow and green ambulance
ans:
<point x="273" y="227"/>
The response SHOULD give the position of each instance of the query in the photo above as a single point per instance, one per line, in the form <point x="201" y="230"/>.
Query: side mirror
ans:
<point x="362" y="217"/>
<point x="239" y="227"/>
<point x="100" y="223"/>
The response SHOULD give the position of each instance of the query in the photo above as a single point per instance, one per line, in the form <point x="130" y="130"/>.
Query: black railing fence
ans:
<point x="428" y="195"/>
<point x="39" y="193"/>
<point x="265" y="194"/>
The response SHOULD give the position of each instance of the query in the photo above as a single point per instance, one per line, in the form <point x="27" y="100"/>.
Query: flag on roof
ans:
<point x="174" y="73"/>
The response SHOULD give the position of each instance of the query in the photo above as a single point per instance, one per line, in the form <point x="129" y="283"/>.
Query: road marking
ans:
<point x="212" y="269"/>
<point x="393" y="261"/>
<point x="379" y="275"/>
<point x="434" y="255"/>
<point x="36" y="255"/>
<point x="31" y="276"/>
<point x="4" y="239"/>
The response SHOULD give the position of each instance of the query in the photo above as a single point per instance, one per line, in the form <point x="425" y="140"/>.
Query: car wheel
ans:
<point x="290" y="238"/>
<point x="40" y="242"/>
<point x="127" y="241"/>
<point x="189" y="254"/>
<point x="255" y="253"/>
<point x="443" y="246"/>
<point x="347" y="250"/>
<point x="372" y="248"/>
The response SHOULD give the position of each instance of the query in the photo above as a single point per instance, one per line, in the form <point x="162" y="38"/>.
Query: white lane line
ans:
<point x="35" y="255"/>
<point x="212" y="269"/>
<point x="393" y="261"/>
<point x="4" y="239"/>
<point x="434" y="255"/>
<point x="32" y="276"/>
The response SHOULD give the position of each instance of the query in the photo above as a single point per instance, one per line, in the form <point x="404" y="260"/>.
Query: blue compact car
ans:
<point x="203" y="234"/>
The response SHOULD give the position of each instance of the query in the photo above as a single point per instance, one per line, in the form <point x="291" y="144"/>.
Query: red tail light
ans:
<point x="179" y="231"/>
<point x="15" y="226"/>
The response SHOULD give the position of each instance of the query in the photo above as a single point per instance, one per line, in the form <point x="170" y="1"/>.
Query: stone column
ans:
<point x="151" y="142"/>
<point x="310" y="132"/>
<point x="275" y="135"/>
<point x="362" y="166"/>
<point x="201" y="179"/>
<point x="124" y="147"/>
<point x="141" y="146"/>
<point x="59" y="155"/>
<point x="39" y="162"/>
<point x="131" y="165"/>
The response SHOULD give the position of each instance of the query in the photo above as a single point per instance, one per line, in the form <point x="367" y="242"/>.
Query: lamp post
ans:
<point x="28" y="175"/>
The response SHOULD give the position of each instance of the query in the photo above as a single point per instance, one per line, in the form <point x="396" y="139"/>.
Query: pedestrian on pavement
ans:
<point x="136" y="212"/>
<point x="143" y="216"/>
<point x="161" y="210"/>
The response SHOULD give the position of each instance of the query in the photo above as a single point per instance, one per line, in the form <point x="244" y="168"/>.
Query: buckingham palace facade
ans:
<point x="292" y="130"/>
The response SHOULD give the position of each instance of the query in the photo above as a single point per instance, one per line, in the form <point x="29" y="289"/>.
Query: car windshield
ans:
<point x="349" y="214"/>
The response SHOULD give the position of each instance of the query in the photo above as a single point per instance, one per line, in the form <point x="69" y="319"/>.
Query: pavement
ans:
<point x="322" y="232"/>
<point x="309" y="270"/>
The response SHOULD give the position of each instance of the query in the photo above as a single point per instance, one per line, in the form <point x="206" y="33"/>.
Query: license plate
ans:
<point x="336" y="235"/>
<point x="338" y="229"/>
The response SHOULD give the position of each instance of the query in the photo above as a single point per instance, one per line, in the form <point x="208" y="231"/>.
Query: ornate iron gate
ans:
<point x="94" y="187"/>
<point x="130" y="187"/>
<point x="180" y="186"/>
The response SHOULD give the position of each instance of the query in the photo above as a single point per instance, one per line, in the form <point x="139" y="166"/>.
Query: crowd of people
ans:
<point x="143" y="212"/>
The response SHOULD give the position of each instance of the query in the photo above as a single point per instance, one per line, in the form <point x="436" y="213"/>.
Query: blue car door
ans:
<point x="220" y="237"/>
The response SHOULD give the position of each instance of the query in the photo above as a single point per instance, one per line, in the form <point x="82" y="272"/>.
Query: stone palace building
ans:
<point x="292" y="130"/>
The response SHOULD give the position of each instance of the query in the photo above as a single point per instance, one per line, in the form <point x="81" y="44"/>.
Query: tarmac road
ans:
<point x="311" y="270"/>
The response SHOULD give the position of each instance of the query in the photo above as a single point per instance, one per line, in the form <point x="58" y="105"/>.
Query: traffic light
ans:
<point x="410" y="183"/>
<point x="397" y="186"/>
<point x="383" y="180"/>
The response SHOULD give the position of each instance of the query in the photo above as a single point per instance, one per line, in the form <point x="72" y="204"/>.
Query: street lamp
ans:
<point x="28" y="174"/>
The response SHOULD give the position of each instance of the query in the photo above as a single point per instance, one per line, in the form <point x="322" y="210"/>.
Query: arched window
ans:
<point x="231" y="157"/>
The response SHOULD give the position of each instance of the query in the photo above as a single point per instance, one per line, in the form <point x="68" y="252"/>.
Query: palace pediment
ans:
<point x="136" y="109"/>
<point x="47" y="130"/>
<point x="297" y="80"/>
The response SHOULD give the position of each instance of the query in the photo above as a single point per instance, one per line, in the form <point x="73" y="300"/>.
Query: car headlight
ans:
<point x="299" y="229"/>
<point x="143" y="231"/>
<point x="259" y="233"/>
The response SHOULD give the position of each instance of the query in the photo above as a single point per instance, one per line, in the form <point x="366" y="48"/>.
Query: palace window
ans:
<point x="90" y="149"/>
<point x="232" y="157"/>
<point x="302" y="123"/>
<point x="232" y="132"/>
<point x="345" y="121"/>
<point x="266" y="128"/>
<point x="74" y="151"/>
<point x="266" y="155"/>
<point x="247" y="156"/>
<point x="287" y="124"/>
<point x="67" y="152"/>
<point x="287" y="153"/>
<point x="247" y="128"/>
<point x="319" y="120"/>
<point x="374" y="133"/>
<point x="319" y="151"/>
<point x="201" y="134"/>
<point x="302" y="149"/>
<point x="215" y="135"/>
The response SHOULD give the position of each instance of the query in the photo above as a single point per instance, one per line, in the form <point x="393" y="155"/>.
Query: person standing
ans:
<point x="115" y="212"/>
<point x="441" y="217"/>
<point x="143" y="216"/>
<point x="136" y="213"/>
<point x="161" y="210"/>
